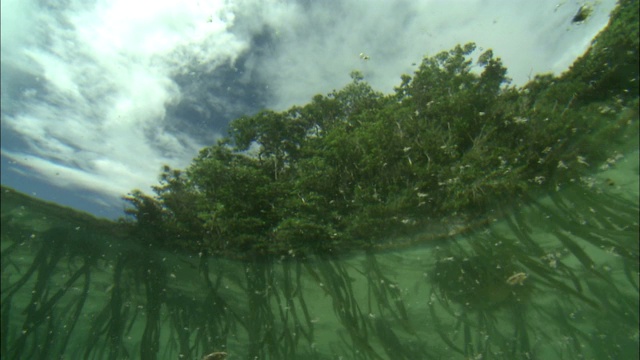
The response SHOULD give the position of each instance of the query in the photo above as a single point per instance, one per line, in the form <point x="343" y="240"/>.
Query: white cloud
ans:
<point x="318" y="49"/>
<point x="102" y="79"/>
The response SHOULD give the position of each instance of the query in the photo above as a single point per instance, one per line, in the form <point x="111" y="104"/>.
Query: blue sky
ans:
<point x="97" y="96"/>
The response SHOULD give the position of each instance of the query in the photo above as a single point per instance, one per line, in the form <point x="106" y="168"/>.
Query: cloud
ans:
<point x="315" y="51"/>
<point x="96" y="81"/>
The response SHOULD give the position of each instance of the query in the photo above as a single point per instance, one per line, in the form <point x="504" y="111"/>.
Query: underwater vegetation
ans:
<point x="556" y="279"/>
<point x="539" y="274"/>
<point x="458" y="218"/>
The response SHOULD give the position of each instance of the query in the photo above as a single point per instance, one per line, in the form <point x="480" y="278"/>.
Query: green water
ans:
<point x="555" y="279"/>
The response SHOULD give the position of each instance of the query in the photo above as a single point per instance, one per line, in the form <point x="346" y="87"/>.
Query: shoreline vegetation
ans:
<point x="354" y="168"/>
<point x="452" y="149"/>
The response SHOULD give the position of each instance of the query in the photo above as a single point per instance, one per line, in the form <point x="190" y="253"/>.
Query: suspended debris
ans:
<point x="215" y="356"/>
<point x="583" y="14"/>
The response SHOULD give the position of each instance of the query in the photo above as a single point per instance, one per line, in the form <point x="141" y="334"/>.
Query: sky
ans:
<point x="98" y="95"/>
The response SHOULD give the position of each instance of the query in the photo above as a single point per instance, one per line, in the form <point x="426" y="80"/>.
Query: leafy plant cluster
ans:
<point x="355" y="168"/>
